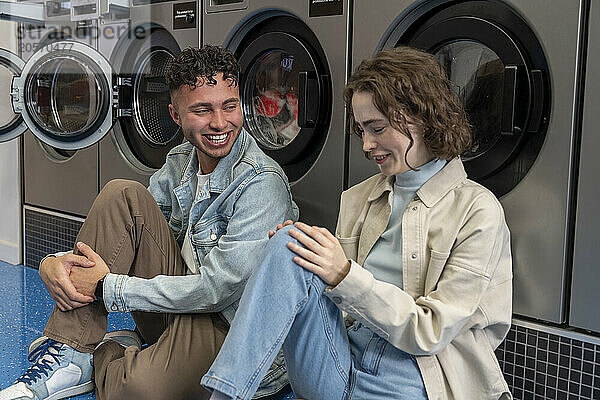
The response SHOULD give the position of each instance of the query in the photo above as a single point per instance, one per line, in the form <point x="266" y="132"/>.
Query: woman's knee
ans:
<point x="282" y="237"/>
<point x="278" y="256"/>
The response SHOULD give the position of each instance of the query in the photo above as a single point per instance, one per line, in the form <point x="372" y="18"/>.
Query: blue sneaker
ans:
<point x="58" y="371"/>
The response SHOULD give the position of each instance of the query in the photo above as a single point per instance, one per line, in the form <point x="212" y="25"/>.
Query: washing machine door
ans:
<point x="500" y="74"/>
<point x="11" y="123"/>
<point x="64" y="94"/>
<point x="145" y="131"/>
<point x="286" y="93"/>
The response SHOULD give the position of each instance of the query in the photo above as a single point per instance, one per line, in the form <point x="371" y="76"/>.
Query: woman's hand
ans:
<point x="322" y="254"/>
<point x="279" y="226"/>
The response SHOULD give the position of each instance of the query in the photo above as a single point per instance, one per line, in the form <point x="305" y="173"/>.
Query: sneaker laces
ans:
<point x="44" y="357"/>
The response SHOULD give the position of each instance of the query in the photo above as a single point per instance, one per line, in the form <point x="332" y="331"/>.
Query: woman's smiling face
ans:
<point x="385" y="144"/>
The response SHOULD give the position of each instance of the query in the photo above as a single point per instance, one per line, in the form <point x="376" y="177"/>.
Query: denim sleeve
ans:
<point x="161" y="188"/>
<point x="262" y="203"/>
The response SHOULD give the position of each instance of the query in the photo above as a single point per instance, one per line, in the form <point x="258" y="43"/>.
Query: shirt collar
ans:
<point x="432" y="190"/>
<point x="441" y="183"/>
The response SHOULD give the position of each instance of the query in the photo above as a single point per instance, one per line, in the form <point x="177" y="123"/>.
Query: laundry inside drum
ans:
<point x="272" y="89"/>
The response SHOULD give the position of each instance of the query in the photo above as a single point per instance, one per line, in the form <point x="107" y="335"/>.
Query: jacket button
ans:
<point x="414" y="208"/>
<point x="213" y="236"/>
<point x="337" y="300"/>
<point x="413" y="256"/>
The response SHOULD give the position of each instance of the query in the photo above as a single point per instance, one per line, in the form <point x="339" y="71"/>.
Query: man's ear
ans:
<point x="174" y="114"/>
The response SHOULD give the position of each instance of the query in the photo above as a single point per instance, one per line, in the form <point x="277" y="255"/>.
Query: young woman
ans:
<point x="420" y="264"/>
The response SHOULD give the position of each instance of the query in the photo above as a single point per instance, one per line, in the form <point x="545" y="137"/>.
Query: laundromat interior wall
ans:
<point x="10" y="209"/>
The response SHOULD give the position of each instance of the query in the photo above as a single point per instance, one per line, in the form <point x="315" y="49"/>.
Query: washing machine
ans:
<point x="293" y="58"/>
<point x="69" y="96"/>
<point x="59" y="183"/>
<point x="139" y="50"/>
<point x="516" y="74"/>
<point x="56" y="178"/>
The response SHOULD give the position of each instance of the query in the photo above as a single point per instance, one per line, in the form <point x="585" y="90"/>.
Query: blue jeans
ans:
<point x="283" y="305"/>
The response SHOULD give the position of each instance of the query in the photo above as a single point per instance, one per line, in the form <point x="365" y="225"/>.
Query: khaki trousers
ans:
<point x="128" y="230"/>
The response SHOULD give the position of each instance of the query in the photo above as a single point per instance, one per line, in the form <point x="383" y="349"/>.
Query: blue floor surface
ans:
<point x="24" y="309"/>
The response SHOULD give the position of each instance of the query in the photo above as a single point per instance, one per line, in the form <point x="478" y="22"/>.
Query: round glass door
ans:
<point x="152" y="99"/>
<point x="64" y="95"/>
<point x="146" y="132"/>
<point x="477" y="74"/>
<point x="286" y="95"/>
<point x="11" y="123"/>
<point x="271" y="102"/>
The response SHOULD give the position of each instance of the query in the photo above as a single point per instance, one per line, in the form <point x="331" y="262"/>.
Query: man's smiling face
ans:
<point x="210" y="117"/>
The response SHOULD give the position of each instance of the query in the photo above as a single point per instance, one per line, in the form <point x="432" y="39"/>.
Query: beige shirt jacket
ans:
<point x="456" y="305"/>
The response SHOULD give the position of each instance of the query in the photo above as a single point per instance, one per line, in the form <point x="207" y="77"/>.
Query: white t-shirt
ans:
<point x="187" y="250"/>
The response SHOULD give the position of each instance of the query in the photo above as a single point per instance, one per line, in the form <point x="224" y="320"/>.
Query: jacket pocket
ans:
<point x="498" y="387"/>
<point x="176" y="227"/>
<point x="437" y="262"/>
<point x="206" y="235"/>
<point x="350" y="246"/>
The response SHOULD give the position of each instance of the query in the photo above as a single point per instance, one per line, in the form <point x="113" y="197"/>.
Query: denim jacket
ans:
<point x="246" y="195"/>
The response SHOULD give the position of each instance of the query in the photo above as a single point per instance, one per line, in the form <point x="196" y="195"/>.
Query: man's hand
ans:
<point x="55" y="272"/>
<point x="279" y="226"/>
<point x="85" y="278"/>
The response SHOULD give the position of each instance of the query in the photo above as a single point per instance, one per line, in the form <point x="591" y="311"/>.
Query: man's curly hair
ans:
<point x="204" y="63"/>
<point x="406" y="82"/>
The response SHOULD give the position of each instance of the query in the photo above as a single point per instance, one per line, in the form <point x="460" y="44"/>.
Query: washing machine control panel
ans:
<point x="184" y="15"/>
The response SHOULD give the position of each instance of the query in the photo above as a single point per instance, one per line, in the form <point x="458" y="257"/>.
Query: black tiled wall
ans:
<point x="540" y="365"/>
<point x="47" y="233"/>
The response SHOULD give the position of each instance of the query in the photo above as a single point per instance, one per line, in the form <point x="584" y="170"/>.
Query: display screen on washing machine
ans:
<point x="271" y="93"/>
<point x="64" y="96"/>
<point x="478" y="77"/>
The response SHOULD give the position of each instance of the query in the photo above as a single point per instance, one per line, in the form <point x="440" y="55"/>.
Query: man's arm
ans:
<point x="263" y="203"/>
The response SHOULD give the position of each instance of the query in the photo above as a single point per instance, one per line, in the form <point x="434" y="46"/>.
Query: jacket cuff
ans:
<point x="352" y="288"/>
<point x="113" y="292"/>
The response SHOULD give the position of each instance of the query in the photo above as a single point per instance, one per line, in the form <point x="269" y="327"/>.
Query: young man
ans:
<point x="176" y="255"/>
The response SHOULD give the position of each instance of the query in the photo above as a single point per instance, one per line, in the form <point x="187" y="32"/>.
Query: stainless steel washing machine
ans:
<point x="69" y="96"/>
<point x="58" y="179"/>
<point x="293" y="57"/>
<point x="516" y="75"/>
<point x="139" y="51"/>
<point x="50" y="92"/>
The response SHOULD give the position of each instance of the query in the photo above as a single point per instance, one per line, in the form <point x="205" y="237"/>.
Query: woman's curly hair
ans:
<point x="205" y="63"/>
<point x="409" y="83"/>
